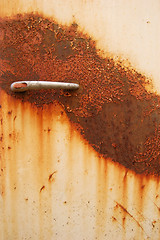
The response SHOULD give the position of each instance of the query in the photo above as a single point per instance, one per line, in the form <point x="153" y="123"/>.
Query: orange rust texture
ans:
<point x="55" y="186"/>
<point x="20" y="85"/>
<point x="112" y="109"/>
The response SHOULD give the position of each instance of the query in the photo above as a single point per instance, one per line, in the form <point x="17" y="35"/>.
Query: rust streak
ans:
<point x="125" y="210"/>
<point x="42" y="188"/>
<point x="157" y="206"/>
<point x="50" y="178"/>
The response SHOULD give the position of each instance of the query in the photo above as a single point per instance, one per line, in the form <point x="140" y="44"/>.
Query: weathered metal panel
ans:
<point x="84" y="164"/>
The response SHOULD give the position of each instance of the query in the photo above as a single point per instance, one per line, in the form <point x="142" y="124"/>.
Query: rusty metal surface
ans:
<point x="112" y="99"/>
<point x="74" y="165"/>
<point x="54" y="186"/>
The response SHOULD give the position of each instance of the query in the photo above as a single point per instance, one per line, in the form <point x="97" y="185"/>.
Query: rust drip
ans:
<point x="42" y="188"/>
<point x="125" y="210"/>
<point x="157" y="207"/>
<point x="112" y="109"/>
<point x="51" y="177"/>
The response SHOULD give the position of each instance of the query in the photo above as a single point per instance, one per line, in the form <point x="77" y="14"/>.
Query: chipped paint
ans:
<point x="59" y="179"/>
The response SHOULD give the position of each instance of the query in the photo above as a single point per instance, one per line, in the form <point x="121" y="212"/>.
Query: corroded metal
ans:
<point x="74" y="165"/>
<point x="112" y="99"/>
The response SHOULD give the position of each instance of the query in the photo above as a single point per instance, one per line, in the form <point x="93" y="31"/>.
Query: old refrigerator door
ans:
<point x="80" y="164"/>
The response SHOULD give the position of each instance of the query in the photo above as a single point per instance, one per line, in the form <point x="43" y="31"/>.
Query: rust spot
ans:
<point x="114" y="219"/>
<point x="42" y="188"/>
<point x="9" y="112"/>
<point x="65" y="202"/>
<point x="51" y="178"/>
<point x="49" y="130"/>
<point x="123" y="220"/>
<point x="9" y="148"/>
<point x="20" y="85"/>
<point x="112" y="109"/>
<point x="143" y="186"/>
<point x="153" y="223"/>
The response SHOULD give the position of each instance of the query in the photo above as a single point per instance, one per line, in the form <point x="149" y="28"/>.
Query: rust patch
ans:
<point x="20" y="85"/>
<point x="116" y="114"/>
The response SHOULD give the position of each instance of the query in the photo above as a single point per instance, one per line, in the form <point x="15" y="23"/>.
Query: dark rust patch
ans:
<point x="116" y="114"/>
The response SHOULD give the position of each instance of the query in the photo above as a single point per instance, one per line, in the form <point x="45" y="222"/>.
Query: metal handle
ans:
<point x="23" y="86"/>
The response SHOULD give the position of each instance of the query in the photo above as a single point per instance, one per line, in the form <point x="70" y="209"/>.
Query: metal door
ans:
<point x="80" y="164"/>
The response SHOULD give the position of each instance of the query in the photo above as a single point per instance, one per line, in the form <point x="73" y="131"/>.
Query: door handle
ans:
<point x="23" y="86"/>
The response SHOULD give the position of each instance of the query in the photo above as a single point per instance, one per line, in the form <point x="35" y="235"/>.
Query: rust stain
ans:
<point x="157" y="206"/>
<point x="114" y="219"/>
<point x="51" y="177"/>
<point x="44" y="164"/>
<point x="125" y="210"/>
<point x="42" y="188"/>
<point x="112" y="109"/>
<point x="19" y="85"/>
